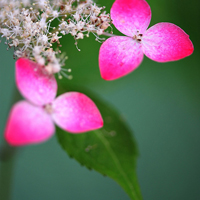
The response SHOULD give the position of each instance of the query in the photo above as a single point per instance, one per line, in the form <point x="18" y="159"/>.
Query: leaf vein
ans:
<point x="116" y="160"/>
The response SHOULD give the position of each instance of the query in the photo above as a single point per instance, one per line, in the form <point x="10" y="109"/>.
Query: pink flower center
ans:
<point x="138" y="37"/>
<point x="48" y="108"/>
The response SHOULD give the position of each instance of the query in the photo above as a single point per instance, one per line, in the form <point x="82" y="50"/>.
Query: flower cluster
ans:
<point x="35" y="29"/>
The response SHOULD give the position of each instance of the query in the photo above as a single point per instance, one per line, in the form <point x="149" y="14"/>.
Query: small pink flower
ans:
<point x="162" y="42"/>
<point x="33" y="121"/>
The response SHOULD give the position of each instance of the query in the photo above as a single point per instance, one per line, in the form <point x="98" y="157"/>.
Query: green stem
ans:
<point x="7" y="160"/>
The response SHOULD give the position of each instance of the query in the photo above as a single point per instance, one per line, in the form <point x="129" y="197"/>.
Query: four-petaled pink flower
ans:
<point x="33" y="121"/>
<point x="162" y="42"/>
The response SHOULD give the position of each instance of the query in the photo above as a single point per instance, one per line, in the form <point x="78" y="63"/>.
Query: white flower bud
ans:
<point x="17" y="30"/>
<point x="43" y="23"/>
<point x="40" y="60"/>
<point x="37" y="50"/>
<point x="80" y="25"/>
<point x="80" y="36"/>
<point x="53" y="68"/>
<point x="5" y="32"/>
<point x="55" y="13"/>
<point x="15" y="42"/>
<point x="100" y="31"/>
<point x="43" y="39"/>
<point x="67" y="7"/>
<point x="76" y="17"/>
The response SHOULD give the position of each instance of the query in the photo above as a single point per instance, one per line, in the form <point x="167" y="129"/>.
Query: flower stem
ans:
<point x="109" y="34"/>
<point x="7" y="160"/>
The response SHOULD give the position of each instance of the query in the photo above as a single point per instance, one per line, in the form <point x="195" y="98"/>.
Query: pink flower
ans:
<point x="162" y="42"/>
<point x="33" y="121"/>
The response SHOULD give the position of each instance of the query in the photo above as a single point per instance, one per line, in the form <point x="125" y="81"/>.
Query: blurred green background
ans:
<point x="160" y="103"/>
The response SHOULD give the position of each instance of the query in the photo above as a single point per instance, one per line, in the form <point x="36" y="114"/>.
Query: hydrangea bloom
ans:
<point x="28" y="26"/>
<point x="33" y="121"/>
<point x="162" y="42"/>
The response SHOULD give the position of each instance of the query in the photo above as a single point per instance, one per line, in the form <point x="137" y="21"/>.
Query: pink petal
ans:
<point x="34" y="84"/>
<point x="76" y="113"/>
<point x="130" y="16"/>
<point x="28" y="124"/>
<point x="119" y="56"/>
<point x="165" y="42"/>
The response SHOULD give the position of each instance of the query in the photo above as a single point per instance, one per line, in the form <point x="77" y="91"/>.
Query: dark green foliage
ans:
<point x="110" y="150"/>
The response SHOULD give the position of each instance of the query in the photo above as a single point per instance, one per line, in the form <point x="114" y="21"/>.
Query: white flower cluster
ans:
<point x="28" y="27"/>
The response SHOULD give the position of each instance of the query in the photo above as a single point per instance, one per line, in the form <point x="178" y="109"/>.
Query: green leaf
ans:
<point x="110" y="150"/>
